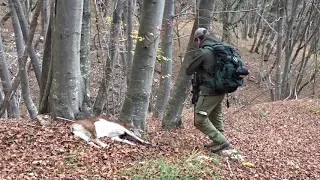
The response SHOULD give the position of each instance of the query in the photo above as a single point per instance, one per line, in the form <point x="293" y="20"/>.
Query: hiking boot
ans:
<point x="220" y="147"/>
<point x="210" y="145"/>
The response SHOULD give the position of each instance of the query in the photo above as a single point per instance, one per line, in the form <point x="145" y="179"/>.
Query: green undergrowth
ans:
<point x="188" y="166"/>
<point x="315" y="109"/>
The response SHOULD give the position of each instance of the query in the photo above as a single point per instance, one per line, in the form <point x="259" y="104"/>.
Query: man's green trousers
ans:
<point x="208" y="117"/>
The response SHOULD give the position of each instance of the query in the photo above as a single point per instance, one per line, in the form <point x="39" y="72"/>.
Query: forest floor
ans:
<point x="277" y="140"/>
<point x="270" y="140"/>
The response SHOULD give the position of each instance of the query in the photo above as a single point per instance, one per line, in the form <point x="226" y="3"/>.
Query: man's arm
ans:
<point x="196" y="63"/>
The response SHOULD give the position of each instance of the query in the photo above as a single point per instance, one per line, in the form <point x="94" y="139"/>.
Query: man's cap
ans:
<point x="200" y="32"/>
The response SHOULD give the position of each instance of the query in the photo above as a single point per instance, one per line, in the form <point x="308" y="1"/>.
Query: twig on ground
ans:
<point x="65" y="119"/>
<point x="231" y="173"/>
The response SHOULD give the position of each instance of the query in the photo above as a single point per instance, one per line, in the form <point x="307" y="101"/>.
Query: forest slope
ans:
<point x="278" y="140"/>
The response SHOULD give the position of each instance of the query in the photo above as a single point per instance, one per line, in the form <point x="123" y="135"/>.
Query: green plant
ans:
<point x="315" y="109"/>
<point x="71" y="160"/>
<point x="168" y="171"/>
<point x="189" y="165"/>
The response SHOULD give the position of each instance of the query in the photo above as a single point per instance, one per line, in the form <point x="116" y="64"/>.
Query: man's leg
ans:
<point x="216" y="117"/>
<point x="204" y="107"/>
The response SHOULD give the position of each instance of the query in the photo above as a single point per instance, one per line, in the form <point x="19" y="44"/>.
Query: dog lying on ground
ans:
<point x="90" y="130"/>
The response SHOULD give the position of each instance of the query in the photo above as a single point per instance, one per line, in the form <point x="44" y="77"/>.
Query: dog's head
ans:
<point x="80" y="131"/>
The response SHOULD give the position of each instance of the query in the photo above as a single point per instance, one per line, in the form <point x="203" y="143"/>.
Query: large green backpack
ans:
<point x="229" y="72"/>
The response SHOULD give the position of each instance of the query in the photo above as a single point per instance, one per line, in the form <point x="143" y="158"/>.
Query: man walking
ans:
<point x="208" y="110"/>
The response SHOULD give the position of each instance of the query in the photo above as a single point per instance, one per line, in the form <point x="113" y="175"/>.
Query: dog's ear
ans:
<point x="87" y="125"/>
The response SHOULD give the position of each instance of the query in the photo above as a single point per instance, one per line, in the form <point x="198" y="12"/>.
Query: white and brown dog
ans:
<point x="90" y="130"/>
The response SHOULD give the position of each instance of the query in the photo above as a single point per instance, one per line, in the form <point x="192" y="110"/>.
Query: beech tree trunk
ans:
<point x="252" y="19"/>
<point x="13" y="109"/>
<point x="25" y="31"/>
<point x="137" y="97"/>
<point x="85" y="63"/>
<point x="66" y="94"/>
<point x="166" y="60"/>
<point x="24" y="80"/>
<point x="130" y="39"/>
<point x="46" y="74"/>
<point x="110" y="62"/>
<point x="182" y="85"/>
<point x="45" y="17"/>
<point x="285" y="86"/>
<point x="279" y="49"/>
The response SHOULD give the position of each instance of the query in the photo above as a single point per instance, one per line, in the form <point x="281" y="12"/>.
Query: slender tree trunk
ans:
<point x="45" y="17"/>
<point x="166" y="61"/>
<point x="16" y="80"/>
<point x="226" y="34"/>
<point x="137" y="97"/>
<point x="113" y="51"/>
<point x="252" y="19"/>
<point x="25" y="31"/>
<point x="270" y="46"/>
<point x="66" y="93"/>
<point x="5" y="18"/>
<point x="302" y="68"/>
<point x="46" y="74"/>
<point x="85" y="63"/>
<point x="13" y="109"/>
<point x="258" y="26"/>
<point x="23" y="71"/>
<point x="203" y="20"/>
<point x="285" y="88"/>
<point x="263" y="33"/>
<point x="245" y="29"/>
<point x="279" y="50"/>
<point x="181" y="87"/>
<point x="130" y="39"/>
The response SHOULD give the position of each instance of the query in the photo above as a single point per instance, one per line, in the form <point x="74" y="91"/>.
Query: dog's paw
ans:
<point x="94" y="145"/>
<point x="104" y="145"/>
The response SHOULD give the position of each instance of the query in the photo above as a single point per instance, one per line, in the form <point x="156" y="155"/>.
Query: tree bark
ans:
<point x="166" y="60"/>
<point x="66" y="94"/>
<point x="16" y="80"/>
<point x="110" y="62"/>
<point x="252" y="19"/>
<point x="130" y="40"/>
<point x="255" y="35"/>
<point x="226" y="34"/>
<point x="181" y="87"/>
<point x="263" y="33"/>
<point x="85" y="63"/>
<point x="32" y="109"/>
<point x="45" y="17"/>
<point x="13" y="109"/>
<point x="278" y="82"/>
<point x="5" y="18"/>
<point x="46" y="74"/>
<point x="25" y="31"/>
<point x="285" y="86"/>
<point x="137" y="97"/>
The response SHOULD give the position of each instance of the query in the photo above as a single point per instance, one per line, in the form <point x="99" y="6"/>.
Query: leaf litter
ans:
<point x="280" y="143"/>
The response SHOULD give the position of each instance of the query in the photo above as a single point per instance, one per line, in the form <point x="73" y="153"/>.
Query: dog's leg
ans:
<point x="117" y="138"/>
<point x="86" y="138"/>
<point x="137" y="138"/>
<point x="93" y="144"/>
<point x="104" y="145"/>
